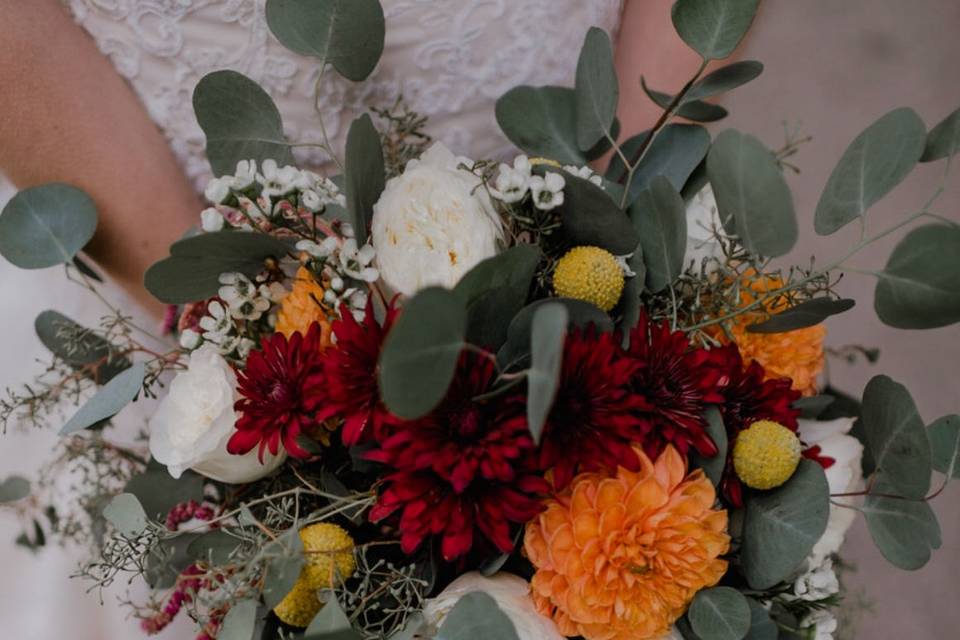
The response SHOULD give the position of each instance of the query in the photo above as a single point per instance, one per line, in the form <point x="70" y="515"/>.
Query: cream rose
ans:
<point x="432" y="224"/>
<point x="193" y="422"/>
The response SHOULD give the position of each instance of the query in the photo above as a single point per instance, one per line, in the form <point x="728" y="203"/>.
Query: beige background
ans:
<point x="834" y="66"/>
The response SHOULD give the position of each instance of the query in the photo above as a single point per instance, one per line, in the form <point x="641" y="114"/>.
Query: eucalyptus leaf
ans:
<point x="159" y="492"/>
<point x="547" y="333"/>
<point x="476" y="616"/>
<point x="596" y="89"/>
<point x="695" y="110"/>
<point x="781" y="526"/>
<point x="896" y="437"/>
<point x="240" y="122"/>
<point x="79" y="347"/>
<point x="347" y="34"/>
<point x="84" y="268"/>
<point x="919" y="288"/>
<point x="753" y="198"/>
<point x="811" y="407"/>
<point x="364" y="174"/>
<point x="126" y="514"/>
<point x="14" y="488"/>
<point x="215" y="546"/>
<point x="421" y="352"/>
<point x="541" y="121"/>
<point x="240" y="621"/>
<point x="875" y="162"/>
<point x="167" y="560"/>
<point x="589" y="217"/>
<point x="192" y="272"/>
<point x="580" y="314"/>
<point x="713" y="28"/>
<point x="762" y="626"/>
<point x="943" y="140"/>
<point x="806" y="314"/>
<point x="905" y="531"/>
<point x="286" y="559"/>
<point x="944" y="436"/>
<point x="109" y="400"/>
<point x="715" y="465"/>
<point x="661" y="220"/>
<point x="331" y="623"/>
<point x="46" y="225"/>
<point x="630" y="302"/>
<point x="414" y="625"/>
<point x="725" y="79"/>
<point x="719" y="613"/>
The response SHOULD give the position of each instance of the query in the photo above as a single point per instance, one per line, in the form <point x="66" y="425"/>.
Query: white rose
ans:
<point x="432" y="224"/>
<point x="843" y="476"/>
<point x="193" y="422"/>
<point x="703" y="219"/>
<point x="512" y="595"/>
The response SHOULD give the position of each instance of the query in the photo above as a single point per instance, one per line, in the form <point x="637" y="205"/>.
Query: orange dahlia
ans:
<point x="620" y="558"/>
<point x="302" y="307"/>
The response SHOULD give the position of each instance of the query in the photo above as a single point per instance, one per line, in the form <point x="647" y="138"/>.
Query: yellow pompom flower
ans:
<point x="301" y="308"/>
<point x="589" y="274"/>
<point x="329" y="557"/>
<point x="766" y="454"/>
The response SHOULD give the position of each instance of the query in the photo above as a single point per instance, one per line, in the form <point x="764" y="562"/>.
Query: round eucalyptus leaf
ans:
<point x="589" y="217"/>
<point x="421" y="352"/>
<point x="240" y="122"/>
<point x="720" y="613"/>
<point x="14" y="488"/>
<point x="713" y="28"/>
<point x="762" y="626"/>
<point x="661" y="222"/>
<point x="695" y="110"/>
<point x="286" y="559"/>
<point x="347" y="34"/>
<point x="944" y="436"/>
<point x="580" y="314"/>
<point x="943" y="140"/>
<point x="919" y="288"/>
<point x="905" y="531"/>
<point x="805" y="314"/>
<point x="875" y="162"/>
<point x="125" y="513"/>
<point x="240" y="621"/>
<point x="215" y="546"/>
<point x="547" y="334"/>
<point x="109" y="400"/>
<point x="476" y="616"/>
<point x="46" y="225"/>
<point x="725" y="79"/>
<point x="752" y="195"/>
<point x="79" y="347"/>
<point x="541" y="121"/>
<point x="714" y="466"/>
<point x="159" y="492"/>
<point x="596" y="89"/>
<point x="364" y="174"/>
<point x="331" y="623"/>
<point x="781" y="526"/>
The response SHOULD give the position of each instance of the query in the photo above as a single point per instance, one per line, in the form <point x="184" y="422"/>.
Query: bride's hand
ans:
<point x="66" y="115"/>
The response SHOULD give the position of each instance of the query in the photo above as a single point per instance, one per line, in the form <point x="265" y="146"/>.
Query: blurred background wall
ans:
<point x="833" y="67"/>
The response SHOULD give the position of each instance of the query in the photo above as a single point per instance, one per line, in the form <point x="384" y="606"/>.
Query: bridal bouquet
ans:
<point x="436" y="397"/>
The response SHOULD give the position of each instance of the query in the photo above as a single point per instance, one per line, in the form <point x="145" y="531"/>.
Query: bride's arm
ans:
<point x="66" y="115"/>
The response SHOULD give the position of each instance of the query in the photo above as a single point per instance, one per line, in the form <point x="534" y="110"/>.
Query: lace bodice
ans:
<point x="451" y="60"/>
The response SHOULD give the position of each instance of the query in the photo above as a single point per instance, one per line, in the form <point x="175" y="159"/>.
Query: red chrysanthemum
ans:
<point x="351" y="375"/>
<point x="674" y="382"/>
<point x="281" y="389"/>
<point x="748" y="396"/>
<point x="591" y="426"/>
<point x="464" y="468"/>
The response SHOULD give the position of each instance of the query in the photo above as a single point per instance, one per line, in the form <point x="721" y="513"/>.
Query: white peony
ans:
<point x="432" y="224"/>
<point x="703" y="220"/>
<point x="193" y="422"/>
<point x="512" y="595"/>
<point x="843" y="476"/>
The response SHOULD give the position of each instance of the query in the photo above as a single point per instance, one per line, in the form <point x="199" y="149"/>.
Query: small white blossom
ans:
<point x="584" y="172"/>
<point x="311" y="200"/>
<point x="547" y="190"/>
<point x="218" y="190"/>
<point x="817" y="583"/>
<point x="512" y="183"/>
<point x="245" y="175"/>
<point x="277" y="181"/>
<point x="236" y="289"/>
<point x="189" y="339"/>
<point x="274" y="292"/>
<point x="217" y="324"/>
<point x="211" y="220"/>
<point x="355" y="262"/>
<point x="323" y="250"/>
<point x="336" y="284"/>
<point x="821" y="623"/>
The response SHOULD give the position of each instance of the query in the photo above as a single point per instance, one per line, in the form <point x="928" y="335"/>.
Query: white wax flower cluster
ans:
<point x="513" y="183"/>
<point x="346" y="263"/>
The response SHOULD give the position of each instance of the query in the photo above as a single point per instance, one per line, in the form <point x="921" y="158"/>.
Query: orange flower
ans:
<point x="301" y="308"/>
<point x="796" y="354"/>
<point x="620" y="558"/>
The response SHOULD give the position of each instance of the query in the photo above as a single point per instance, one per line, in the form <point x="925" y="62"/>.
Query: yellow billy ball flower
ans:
<point x="589" y="274"/>
<point x="766" y="454"/>
<point x="329" y="557"/>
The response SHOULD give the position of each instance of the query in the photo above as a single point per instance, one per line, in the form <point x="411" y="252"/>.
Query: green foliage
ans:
<point x="875" y="162"/>
<point x="714" y="466"/>
<point x="125" y="513"/>
<point x="240" y="621"/>
<point x="547" y="333"/>
<point x="781" y="526"/>
<point x="724" y="79"/>
<point x="541" y="121"/>
<point x="331" y="623"/>
<point x="695" y="110"/>
<point x="158" y="491"/>
<point x="590" y="217"/>
<point x="46" y="225"/>
<point x="661" y="221"/>
<point x="896" y="437"/>
<point x="421" y="352"/>
<point x="579" y="313"/>
<point x="476" y="616"/>
<point x="943" y="140"/>
<point x="192" y="272"/>
<point x="347" y="34"/>
<point x="215" y="546"/>
<point x="920" y="286"/>
<point x="720" y="613"/>
<point x="14" y="488"/>
<point x="905" y="531"/>
<point x="630" y="302"/>
<point x="364" y="174"/>
<point x="806" y="314"/>
<point x="762" y="627"/>
<point x="944" y="436"/>
<point x="752" y="196"/>
<point x="596" y="91"/>
<point x="713" y="28"/>
<point x="286" y="558"/>
<point x="109" y="400"/>
<point x="79" y="347"/>
<point x="240" y="122"/>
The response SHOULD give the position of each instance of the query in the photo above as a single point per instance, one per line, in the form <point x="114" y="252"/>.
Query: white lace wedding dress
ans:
<point x="451" y="59"/>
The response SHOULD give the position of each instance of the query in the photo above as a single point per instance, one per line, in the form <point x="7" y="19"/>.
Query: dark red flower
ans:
<point x="591" y="425"/>
<point x="351" y="375"/>
<point x="462" y="469"/>
<point x="674" y="383"/>
<point x="281" y="389"/>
